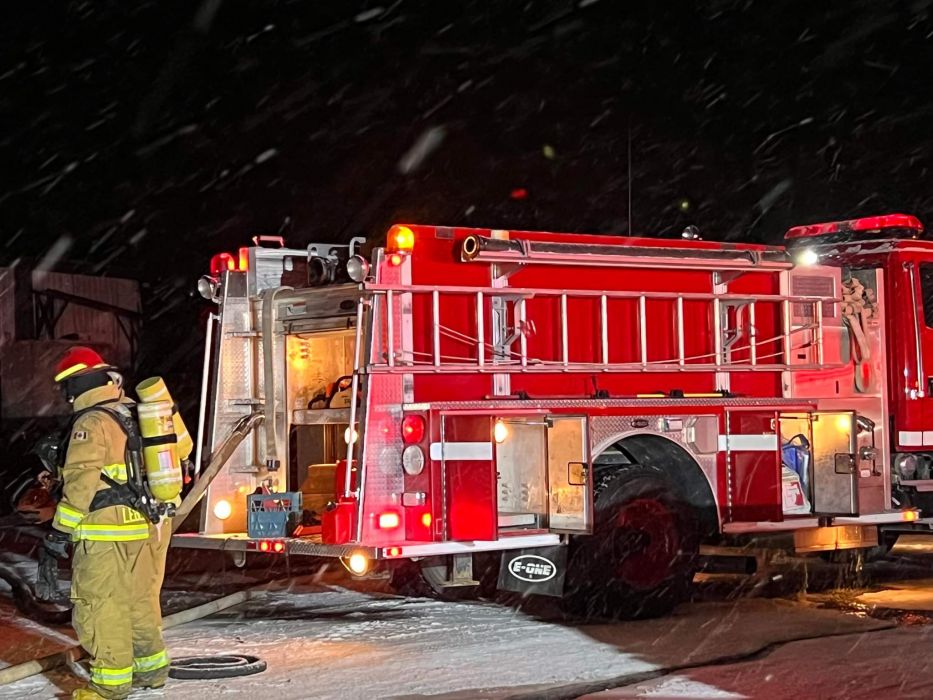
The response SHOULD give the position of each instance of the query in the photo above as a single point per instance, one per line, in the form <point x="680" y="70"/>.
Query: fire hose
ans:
<point x="858" y="308"/>
<point x="243" y="427"/>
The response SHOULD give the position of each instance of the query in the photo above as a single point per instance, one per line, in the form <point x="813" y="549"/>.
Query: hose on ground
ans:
<point x="211" y="667"/>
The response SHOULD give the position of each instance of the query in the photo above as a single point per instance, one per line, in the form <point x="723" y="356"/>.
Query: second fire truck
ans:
<point x="586" y="410"/>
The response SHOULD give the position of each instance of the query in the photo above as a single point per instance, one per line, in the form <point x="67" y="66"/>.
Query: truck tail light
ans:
<point x="413" y="460"/>
<point x="392" y="552"/>
<point x="389" y="521"/>
<point x="412" y="429"/>
<point x="222" y="262"/>
<point x="426" y="520"/>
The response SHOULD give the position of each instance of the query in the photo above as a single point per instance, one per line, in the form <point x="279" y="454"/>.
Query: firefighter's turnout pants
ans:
<point x="119" y="561"/>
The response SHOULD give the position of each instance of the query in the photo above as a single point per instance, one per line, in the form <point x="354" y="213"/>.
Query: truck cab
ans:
<point x="891" y="246"/>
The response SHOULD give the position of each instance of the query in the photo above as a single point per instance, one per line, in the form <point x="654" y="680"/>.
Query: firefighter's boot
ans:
<point x="86" y="694"/>
<point x="150" y="660"/>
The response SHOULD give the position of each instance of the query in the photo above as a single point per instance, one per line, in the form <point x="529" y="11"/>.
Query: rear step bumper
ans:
<point x="313" y="547"/>
<point x="800" y="523"/>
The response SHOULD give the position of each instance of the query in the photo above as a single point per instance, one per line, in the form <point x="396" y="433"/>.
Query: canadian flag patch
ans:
<point x="79" y="436"/>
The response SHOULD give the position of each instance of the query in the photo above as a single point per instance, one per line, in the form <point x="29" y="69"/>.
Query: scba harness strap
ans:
<point x="135" y="492"/>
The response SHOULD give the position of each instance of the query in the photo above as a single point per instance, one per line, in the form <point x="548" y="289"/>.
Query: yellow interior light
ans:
<point x="358" y="563"/>
<point x="222" y="509"/>
<point x="843" y="423"/>
<point x="500" y="432"/>
<point x="401" y="239"/>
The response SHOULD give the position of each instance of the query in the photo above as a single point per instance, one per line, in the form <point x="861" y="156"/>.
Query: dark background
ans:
<point x="139" y="138"/>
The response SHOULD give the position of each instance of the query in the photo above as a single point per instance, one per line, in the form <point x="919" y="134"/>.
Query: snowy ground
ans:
<point x="330" y="642"/>
<point x="882" y="664"/>
<point x="324" y="640"/>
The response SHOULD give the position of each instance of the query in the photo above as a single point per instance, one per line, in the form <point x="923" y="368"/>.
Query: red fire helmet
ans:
<point x="78" y="360"/>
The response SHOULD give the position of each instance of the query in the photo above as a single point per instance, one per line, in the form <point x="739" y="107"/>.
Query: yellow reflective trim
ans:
<point x="111" y="676"/>
<point x="67" y="509"/>
<point x="67" y="524"/>
<point x="110" y="537"/>
<point x="67" y="516"/>
<point x="65" y="373"/>
<point x="152" y="662"/>
<point x="110" y="532"/>
<point x="117" y="472"/>
<point x="112" y="526"/>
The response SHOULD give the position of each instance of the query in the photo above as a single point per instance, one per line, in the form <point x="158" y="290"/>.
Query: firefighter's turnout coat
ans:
<point x="119" y="556"/>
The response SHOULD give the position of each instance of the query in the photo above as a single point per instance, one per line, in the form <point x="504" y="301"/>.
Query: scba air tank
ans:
<point x="154" y="389"/>
<point x="164" y="445"/>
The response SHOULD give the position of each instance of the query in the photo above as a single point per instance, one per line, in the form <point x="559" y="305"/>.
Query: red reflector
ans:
<point x="278" y="547"/>
<point x="264" y="546"/>
<point x="221" y="263"/>
<point x="426" y="520"/>
<point x="393" y="551"/>
<point x="388" y="521"/>
<point x="868" y="223"/>
<point x="412" y="429"/>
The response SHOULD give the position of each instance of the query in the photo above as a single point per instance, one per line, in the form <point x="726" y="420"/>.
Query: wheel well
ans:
<point x="680" y="467"/>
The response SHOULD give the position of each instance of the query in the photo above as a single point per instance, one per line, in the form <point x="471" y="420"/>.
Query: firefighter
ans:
<point x="119" y="556"/>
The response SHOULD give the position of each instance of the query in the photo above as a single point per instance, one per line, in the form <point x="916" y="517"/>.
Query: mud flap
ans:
<point x="538" y="571"/>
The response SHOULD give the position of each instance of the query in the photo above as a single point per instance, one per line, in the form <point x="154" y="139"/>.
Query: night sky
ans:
<point x="139" y="138"/>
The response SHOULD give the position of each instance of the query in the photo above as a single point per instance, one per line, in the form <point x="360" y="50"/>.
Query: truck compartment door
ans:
<point x="835" y="463"/>
<point x="570" y="489"/>
<point x="468" y="473"/>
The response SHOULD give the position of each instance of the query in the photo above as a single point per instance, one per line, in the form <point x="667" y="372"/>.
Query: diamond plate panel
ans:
<point x="233" y="398"/>
<point x="382" y="477"/>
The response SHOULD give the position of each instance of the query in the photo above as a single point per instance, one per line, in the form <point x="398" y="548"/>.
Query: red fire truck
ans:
<point x="586" y="409"/>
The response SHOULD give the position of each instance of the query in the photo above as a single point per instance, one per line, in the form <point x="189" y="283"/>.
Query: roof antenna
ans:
<point x="629" y="233"/>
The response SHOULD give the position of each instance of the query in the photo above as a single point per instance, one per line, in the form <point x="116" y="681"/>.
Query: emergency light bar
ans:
<point x="910" y="225"/>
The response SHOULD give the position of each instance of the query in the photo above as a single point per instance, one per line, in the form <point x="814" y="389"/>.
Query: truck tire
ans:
<point x="640" y="560"/>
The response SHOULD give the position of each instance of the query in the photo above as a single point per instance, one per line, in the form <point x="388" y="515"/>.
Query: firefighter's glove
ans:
<point x="57" y="544"/>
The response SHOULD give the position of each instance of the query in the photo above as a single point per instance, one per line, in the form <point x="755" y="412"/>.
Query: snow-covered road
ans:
<point x="330" y="642"/>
